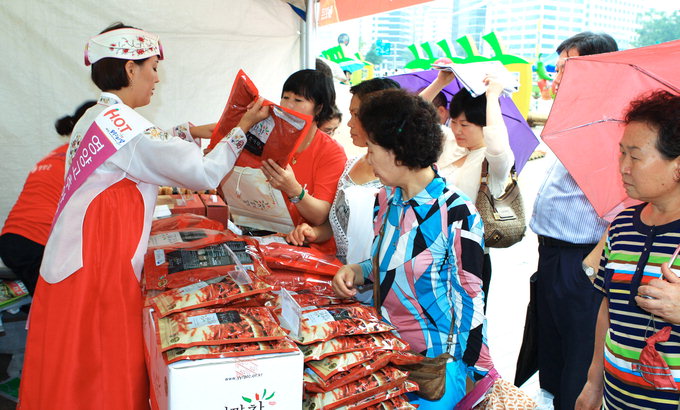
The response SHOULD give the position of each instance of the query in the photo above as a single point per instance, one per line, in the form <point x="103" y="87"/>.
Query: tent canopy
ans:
<point x="205" y="43"/>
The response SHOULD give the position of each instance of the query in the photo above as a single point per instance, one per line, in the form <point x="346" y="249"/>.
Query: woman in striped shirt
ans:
<point x="640" y="241"/>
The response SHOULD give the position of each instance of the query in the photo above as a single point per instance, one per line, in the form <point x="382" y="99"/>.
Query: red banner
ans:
<point x="334" y="11"/>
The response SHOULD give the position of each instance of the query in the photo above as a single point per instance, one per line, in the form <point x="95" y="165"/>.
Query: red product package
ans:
<point x="235" y="285"/>
<point x="291" y="257"/>
<point x="173" y="267"/>
<point x="296" y="281"/>
<point x="215" y="326"/>
<point x="332" y="365"/>
<point x="392" y="399"/>
<point x="229" y="350"/>
<point x="382" y="380"/>
<point x="187" y="237"/>
<point x="181" y="221"/>
<point x="343" y="320"/>
<point x="316" y="383"/>
<point x="276" y="137"/>
<point x="322" y="377"/>
<point x="343" y="344"/>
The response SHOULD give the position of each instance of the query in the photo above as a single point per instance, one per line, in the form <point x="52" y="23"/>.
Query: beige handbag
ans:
<point x="504" y="221"/>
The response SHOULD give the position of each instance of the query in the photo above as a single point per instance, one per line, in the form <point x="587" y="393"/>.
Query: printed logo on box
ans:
<point x="256" y="402"/>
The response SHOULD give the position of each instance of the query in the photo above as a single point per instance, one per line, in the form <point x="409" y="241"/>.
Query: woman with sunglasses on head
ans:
<point x="85" y="345"/>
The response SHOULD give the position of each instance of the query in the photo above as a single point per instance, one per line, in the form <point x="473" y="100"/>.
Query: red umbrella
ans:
<point x="585" y="123"/>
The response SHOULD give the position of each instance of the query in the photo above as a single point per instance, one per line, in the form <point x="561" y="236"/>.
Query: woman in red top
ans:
<point x="27" y="226"/>
<point x="311" y="179"/>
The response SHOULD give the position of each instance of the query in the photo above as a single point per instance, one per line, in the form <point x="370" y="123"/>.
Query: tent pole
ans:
<point x="308" y="29"/>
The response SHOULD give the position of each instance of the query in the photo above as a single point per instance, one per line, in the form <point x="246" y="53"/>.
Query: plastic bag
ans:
<point x="383" y="380"/>
<point x="394" y="403"/>
<point x="182" y="221"/>
<point x="173" y="267"/>
<point x="310" y="260"/>
<point x="186" y="238"/>
<point x="222" y="290"/>
<point x="214" y="326"/>
<point x="387" y="400"/>
<point x="343" y="320"/>
<point x="276" y="137"/>
<point x="335" y="371"/>
<point x="229" y="350"/>
<point x="343" y="344"/>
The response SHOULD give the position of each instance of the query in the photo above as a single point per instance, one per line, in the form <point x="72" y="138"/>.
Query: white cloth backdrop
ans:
<point x="205" y="42"/>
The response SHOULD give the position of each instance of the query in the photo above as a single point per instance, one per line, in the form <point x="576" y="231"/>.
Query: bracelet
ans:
<point x="298" y="198"/>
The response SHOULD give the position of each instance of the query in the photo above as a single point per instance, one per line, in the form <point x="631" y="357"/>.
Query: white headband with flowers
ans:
<point x="123" y="43"/>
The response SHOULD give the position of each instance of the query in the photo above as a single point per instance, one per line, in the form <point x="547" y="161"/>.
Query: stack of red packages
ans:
<point x="278" y="255"/>
<point x="220" y="332"/>
<point x="207" y="292"/>
<point x="190" y="254"/>
<point x="207" y="319"/>
<point x="349" y="359"/>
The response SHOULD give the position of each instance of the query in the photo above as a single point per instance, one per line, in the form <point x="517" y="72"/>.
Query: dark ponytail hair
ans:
<point x="64" y="125"/>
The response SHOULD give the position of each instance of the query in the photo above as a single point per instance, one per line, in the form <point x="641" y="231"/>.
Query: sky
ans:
<point x="663" y="5"/>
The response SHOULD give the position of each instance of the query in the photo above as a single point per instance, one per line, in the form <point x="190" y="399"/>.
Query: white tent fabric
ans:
<point x="205" y="43"/>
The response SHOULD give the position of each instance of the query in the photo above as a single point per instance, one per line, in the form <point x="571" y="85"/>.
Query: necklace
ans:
<point x="300" y="151"/>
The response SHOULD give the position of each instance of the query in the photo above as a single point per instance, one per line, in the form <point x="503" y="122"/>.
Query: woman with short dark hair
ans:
<point x="427" y="246"/>
<point x="310" y="181"/>
<point x="85" y="347"/>
<point x="349" y="220"/>
<point x="637" y="336"/>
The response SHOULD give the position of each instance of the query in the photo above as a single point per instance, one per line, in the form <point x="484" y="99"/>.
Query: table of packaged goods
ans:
<point x="239" y="322"/>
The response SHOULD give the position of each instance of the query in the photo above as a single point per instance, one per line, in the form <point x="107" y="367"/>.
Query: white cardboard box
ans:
<point x="270" y="382"/>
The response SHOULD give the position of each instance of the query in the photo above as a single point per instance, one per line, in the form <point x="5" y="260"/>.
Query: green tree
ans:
<point x="372" y="56"/>
<point x="657" y="27"/>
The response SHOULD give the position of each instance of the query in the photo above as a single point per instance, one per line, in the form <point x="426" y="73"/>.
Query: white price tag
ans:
<point x="203" y="320"/>
<point x="161" y="211"/>
<point x="164" y="239"/>
<point x="159" y="256"/>
<point x="318" y="317"/>
<point x="290" y="313"/>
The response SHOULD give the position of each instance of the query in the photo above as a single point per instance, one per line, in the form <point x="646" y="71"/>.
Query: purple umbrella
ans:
<point x="522" y="139"/>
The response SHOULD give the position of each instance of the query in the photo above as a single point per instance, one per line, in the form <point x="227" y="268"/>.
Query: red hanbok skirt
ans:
<point x="85" y="347"/>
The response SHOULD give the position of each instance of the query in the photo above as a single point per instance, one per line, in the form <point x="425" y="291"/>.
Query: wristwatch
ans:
<point x="588" y="270"/>
<point x="296" y="199"/>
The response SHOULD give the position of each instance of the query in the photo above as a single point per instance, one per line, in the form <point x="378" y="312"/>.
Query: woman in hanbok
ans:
<point x="85" y="347"/>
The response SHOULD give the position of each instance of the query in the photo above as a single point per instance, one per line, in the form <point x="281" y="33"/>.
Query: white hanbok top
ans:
<point x="152" y="158"/>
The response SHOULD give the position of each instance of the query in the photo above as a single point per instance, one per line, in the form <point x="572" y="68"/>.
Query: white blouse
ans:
<point x="351" y="216"/>
<point x="467" y="176"/>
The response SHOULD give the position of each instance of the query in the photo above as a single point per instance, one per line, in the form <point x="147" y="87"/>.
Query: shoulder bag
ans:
<point x="504" y="221"/>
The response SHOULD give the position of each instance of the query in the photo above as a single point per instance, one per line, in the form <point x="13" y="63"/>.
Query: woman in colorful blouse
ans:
<point x="429" y="243"/>
<point x="636" y="362"/>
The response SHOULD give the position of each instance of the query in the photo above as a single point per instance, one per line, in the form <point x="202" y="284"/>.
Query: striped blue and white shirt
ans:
<point x="563" y="212"/>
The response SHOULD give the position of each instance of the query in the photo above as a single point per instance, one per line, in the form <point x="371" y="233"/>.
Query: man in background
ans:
<point x="568" y="230"/>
